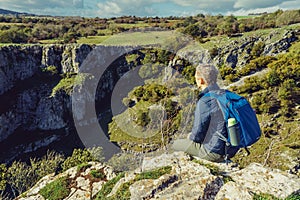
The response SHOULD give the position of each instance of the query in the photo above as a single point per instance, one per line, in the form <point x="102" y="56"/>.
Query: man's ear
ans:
<point x="201" y="80"/>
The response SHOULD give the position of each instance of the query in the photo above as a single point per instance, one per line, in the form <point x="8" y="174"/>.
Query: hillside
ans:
<point x="9" y="12"/>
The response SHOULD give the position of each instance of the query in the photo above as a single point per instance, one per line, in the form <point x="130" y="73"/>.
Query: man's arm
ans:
<point x="201" y="122"/>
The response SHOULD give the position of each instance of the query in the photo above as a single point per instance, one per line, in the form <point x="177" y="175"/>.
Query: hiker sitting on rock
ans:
<point x="205" y="141"/>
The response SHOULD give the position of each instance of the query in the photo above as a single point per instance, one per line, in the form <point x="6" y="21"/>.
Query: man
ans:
<point x="206" y="140"/>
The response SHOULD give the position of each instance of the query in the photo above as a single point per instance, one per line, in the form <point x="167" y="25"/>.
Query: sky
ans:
<point x="161" y="8"/>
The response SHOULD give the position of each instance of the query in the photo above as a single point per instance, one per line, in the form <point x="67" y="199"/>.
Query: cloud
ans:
<point x="213" y="6"/>
<point x="36" y="4"/>
<point x="110" y="8"/>
<point x="294" y="4"/>
<point x="256" y="4"/>
<point x="42" y="7"/>
<point x="78" y="3"/>
<point x="128" y="7"/>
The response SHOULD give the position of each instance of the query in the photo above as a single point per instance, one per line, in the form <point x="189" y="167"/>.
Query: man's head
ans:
<point x="206" y="75"/>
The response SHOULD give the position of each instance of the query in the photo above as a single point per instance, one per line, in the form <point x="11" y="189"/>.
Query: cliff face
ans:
<point x="28" y="103"/>
<point x="18" y="63"/>
<point x="179" y="178"/>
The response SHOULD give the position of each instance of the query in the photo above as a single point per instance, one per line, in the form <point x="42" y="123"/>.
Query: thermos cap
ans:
<point x="231" y="122"/>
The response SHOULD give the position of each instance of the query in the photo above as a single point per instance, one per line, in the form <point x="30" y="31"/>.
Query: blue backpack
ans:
<point x="236" y="106"/>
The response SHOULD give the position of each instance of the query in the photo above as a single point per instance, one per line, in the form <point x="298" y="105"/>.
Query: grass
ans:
<point x="129" y="38"/>
<point x="52" y="41"/>
<point x="56" y="190"/>
<point x="83" y="167"/>
<point x="12" y="24"/>
<point x="69" y="81"/>
<point x="92" y="39"/>
<point x="271" y="197"/>
<point x="66" y="84"/>
<point x="108" y="186"/>
<point x="139" y="38"/>
<point x="97" y="174"/>
<point x="246" y="16"/>
<point x="136" y="25"/>
<point x="124" y="193"/>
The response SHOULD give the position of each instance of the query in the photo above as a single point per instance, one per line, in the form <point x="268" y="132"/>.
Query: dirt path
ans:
<point x="242" y="80"/>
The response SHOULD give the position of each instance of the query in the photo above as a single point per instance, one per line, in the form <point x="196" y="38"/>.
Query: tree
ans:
<point x="20" y="177"/>
<point x="257" y="49"/>
<point x="3" y="177"/>
<point x="80" y="156"/>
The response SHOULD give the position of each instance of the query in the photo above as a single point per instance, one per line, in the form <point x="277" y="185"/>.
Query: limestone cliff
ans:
<point x="181" y="178"/>
<point x="25" y="93"/>
<point x="28" y="101"/>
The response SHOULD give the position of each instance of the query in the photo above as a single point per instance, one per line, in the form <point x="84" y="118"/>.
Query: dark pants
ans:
<point x="196" y="150"/>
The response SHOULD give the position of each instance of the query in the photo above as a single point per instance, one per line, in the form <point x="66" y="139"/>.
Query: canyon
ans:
<point x="34" y="116"/>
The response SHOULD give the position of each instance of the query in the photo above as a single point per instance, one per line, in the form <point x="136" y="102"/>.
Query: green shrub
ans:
<point x="56" y="190"/>
<point x="3" y="176"/>
<point x="132" y="58"/>
<point x="47" y="164"/>
<point x="108" y="186"/>
<point x="257" y="49"/>
<point x="80" y="156"/>
<point x="123" y="191"/>
<point x="154" y="174"/>
<point x="83" y="167"/>
<point x="150" y="92"/>
<point x="51" y="70"/>
<point x="264" y="197"/>
<point x="66" y="84"/>
<point x="20" y="177"/>
<point x="188" y="73"/>
<point x="69" y="81"/>
<point x="97" y="174"/>
<point x="225" y="71"/>
<point x="293" y="197"/>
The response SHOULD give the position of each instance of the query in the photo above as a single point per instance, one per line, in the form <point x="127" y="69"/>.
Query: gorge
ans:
<point x="36" y="111"/>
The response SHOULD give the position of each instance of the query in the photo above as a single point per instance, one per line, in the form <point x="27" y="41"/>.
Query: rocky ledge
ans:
<point x="181" y="178"/>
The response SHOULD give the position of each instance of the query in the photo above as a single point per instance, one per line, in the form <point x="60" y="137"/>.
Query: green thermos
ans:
<point x="234" y="132"/>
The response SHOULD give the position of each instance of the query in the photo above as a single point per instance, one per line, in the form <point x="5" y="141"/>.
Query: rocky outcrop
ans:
<point x="238" y="52"/>
<point x="67" y="58"/>
<point x="83" y="184"/>
<point x="187" y="179"/>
